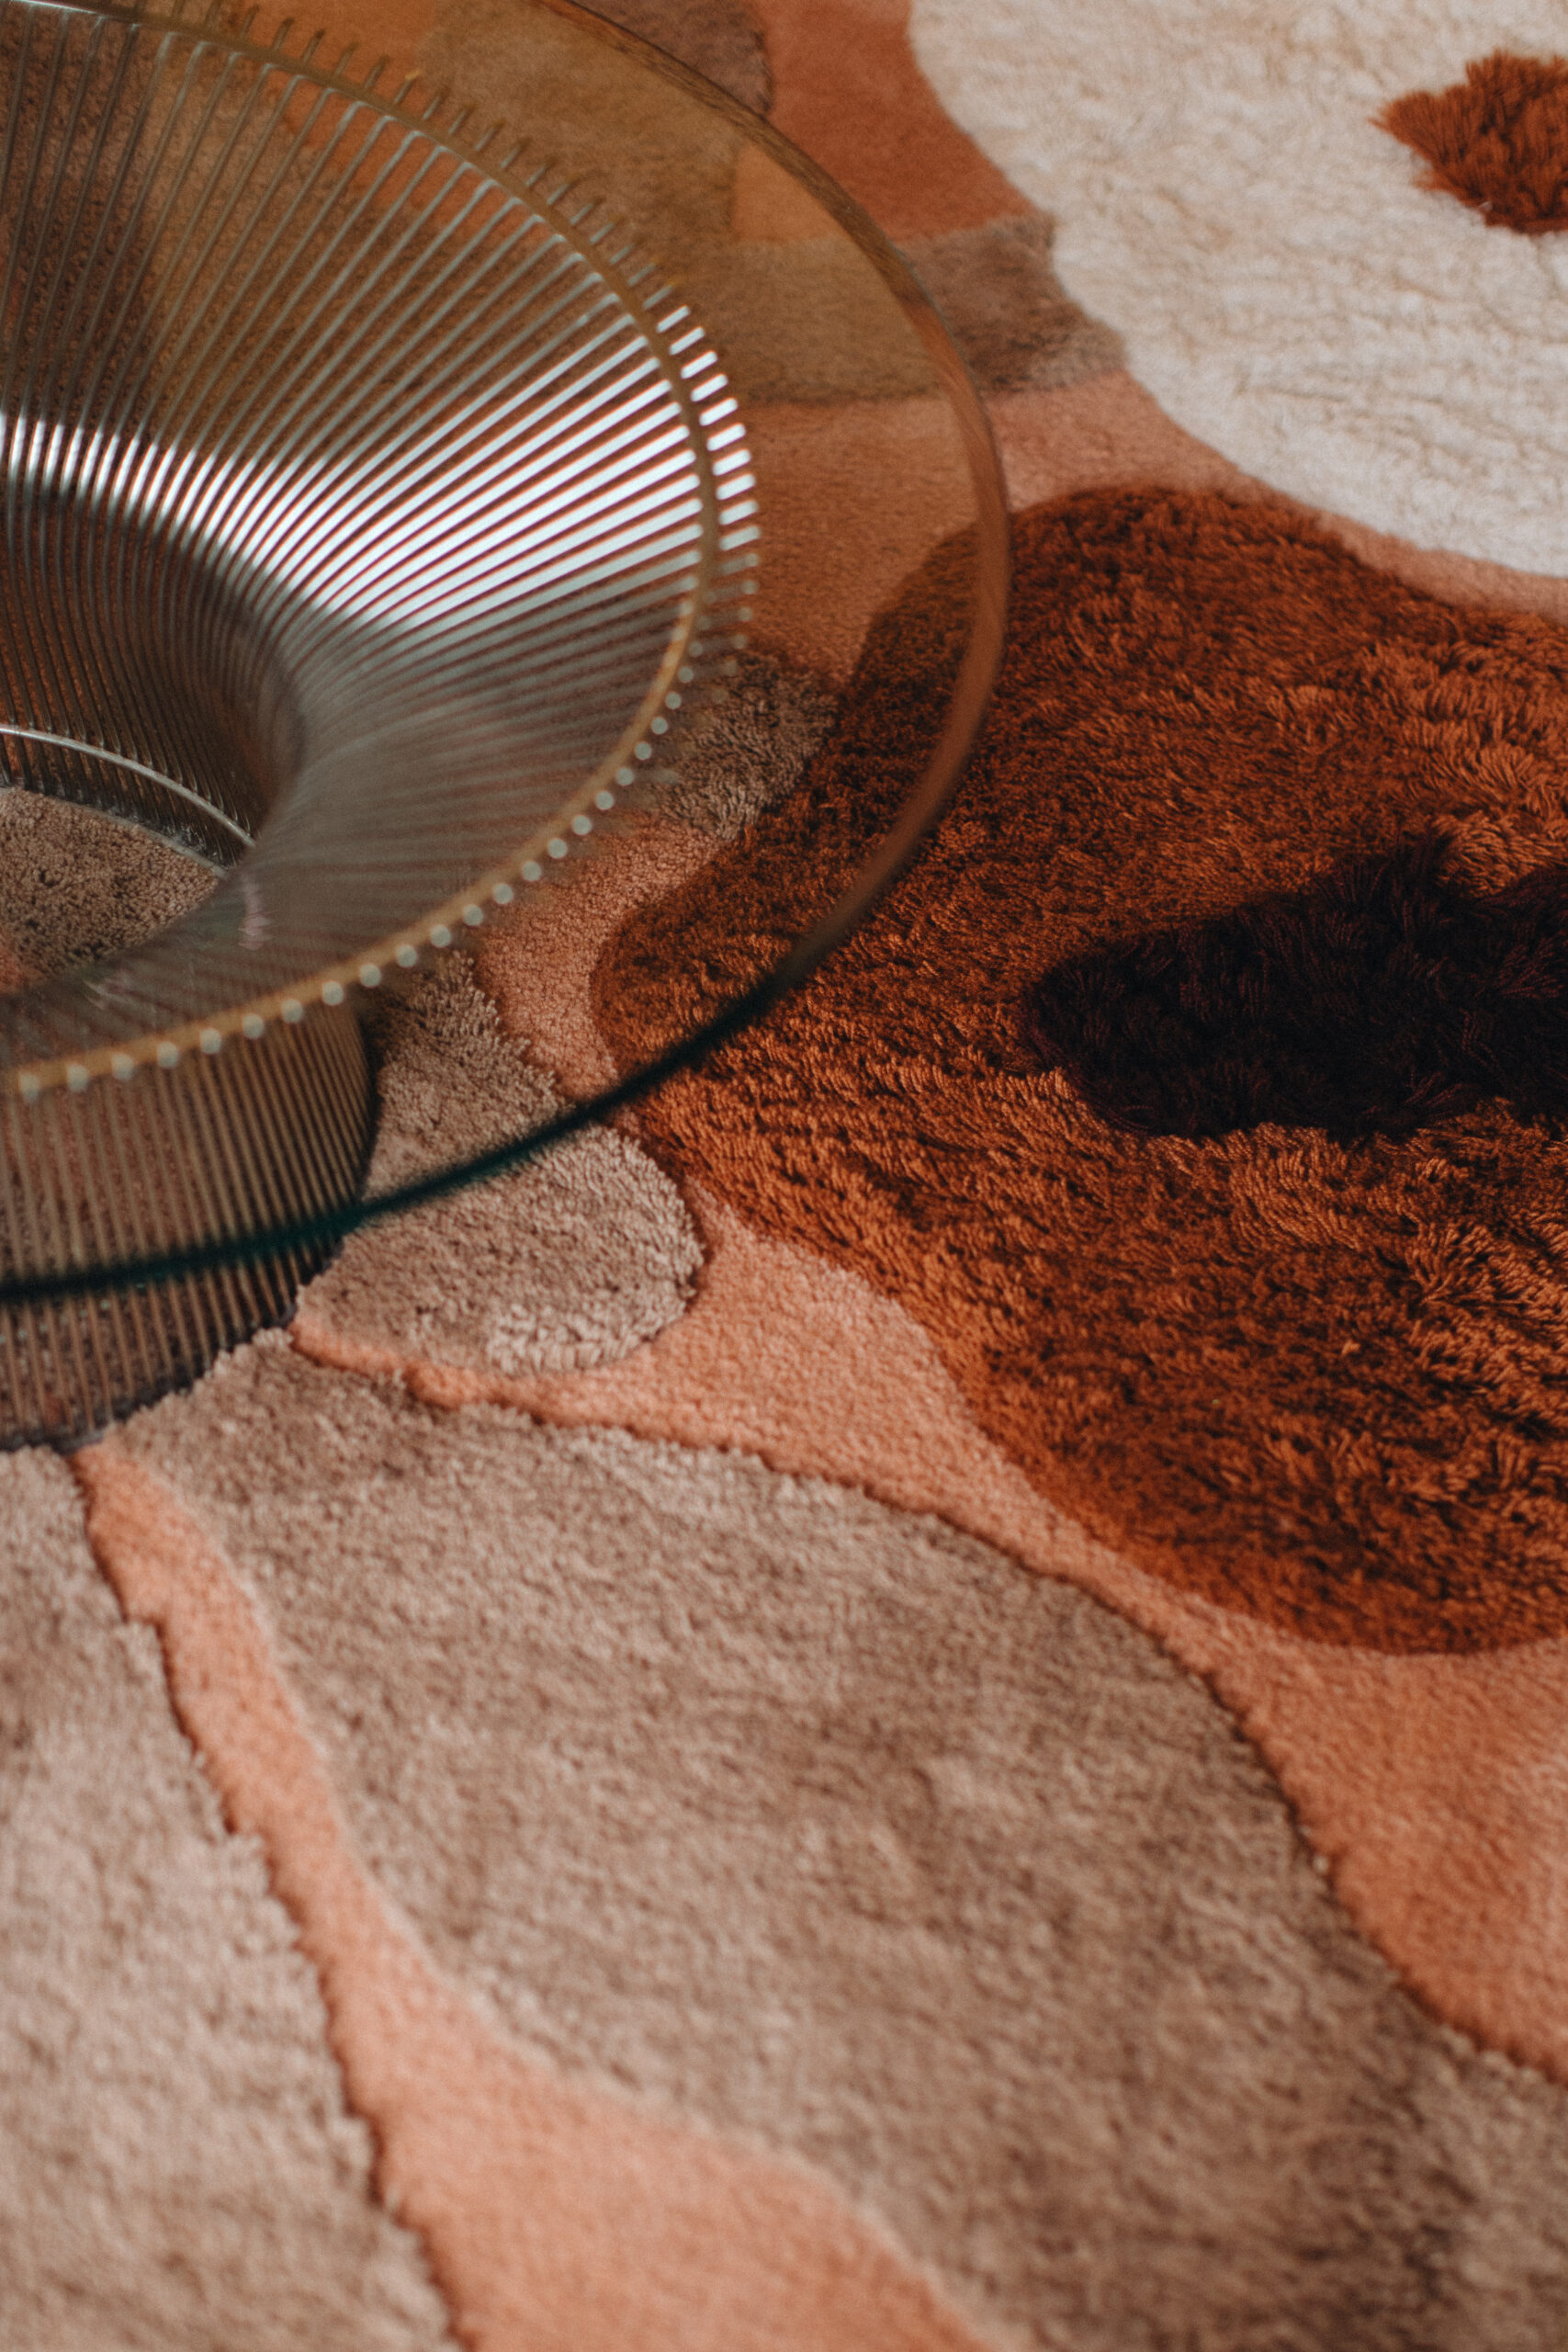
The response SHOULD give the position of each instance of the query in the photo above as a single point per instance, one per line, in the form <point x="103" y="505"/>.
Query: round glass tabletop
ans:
<point x="414" y="463"/>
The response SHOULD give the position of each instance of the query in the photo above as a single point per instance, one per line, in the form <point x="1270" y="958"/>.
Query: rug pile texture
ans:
<point x="918" y="1700"/>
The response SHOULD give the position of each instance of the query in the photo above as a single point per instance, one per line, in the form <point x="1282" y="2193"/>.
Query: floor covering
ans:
<point x="918" y="1700"/>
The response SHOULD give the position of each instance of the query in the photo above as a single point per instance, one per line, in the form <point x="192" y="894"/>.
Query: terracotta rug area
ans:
<point x="919" y="1700"/>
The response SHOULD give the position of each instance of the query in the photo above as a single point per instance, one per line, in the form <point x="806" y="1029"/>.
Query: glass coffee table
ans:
<point x="391" y="490"/>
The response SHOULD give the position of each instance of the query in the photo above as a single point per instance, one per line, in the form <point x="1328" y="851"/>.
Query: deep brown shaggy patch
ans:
<point x="1322" y="1382"/>
<point x="1498" y="139"/>
<point x="1383" y="997"/>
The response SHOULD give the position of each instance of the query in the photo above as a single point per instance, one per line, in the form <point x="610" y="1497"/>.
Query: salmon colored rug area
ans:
<point x="917" y="1702"/>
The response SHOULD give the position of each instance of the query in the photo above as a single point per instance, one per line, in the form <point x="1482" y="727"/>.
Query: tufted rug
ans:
<point x="917" y="1702"/>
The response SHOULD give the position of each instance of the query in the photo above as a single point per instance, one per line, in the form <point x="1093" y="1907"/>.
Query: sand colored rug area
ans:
<point x="917" y="1702"/>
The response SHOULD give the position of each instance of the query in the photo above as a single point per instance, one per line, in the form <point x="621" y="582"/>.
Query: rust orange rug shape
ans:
<point x="1498" y="139"/>
<point x="872" y="1712"/>
<point x="1192" y="1346"/>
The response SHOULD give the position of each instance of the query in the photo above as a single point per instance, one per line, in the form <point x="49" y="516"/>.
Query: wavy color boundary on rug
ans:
<point x="554" y="2217"/>
<point x="1436" y="1788"/>
<point x="1107" y="433"/>
<point x="814" y="1824"/>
